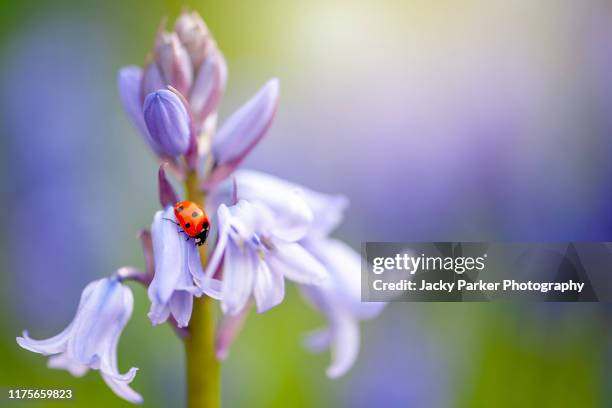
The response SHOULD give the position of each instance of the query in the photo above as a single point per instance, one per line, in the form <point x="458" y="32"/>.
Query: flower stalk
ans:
<point x="203" y="369"/>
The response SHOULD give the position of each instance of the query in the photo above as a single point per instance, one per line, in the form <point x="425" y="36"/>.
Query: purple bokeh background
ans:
<point x="485" y="123"/>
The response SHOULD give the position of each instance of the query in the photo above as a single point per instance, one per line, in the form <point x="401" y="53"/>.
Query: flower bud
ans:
<point x="242" y="131"/>
<point x="245" y="127"/>
<point x="187" y="60"/>
<point x="152" y="80"/>
<point x="168" y="122"/>
<point x="208" y="86"/>
<point x="173" y="62"/>
<point x="194" y="35"/>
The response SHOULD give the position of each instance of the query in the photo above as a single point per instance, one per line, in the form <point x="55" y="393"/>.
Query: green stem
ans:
<point x="203" y="369"/>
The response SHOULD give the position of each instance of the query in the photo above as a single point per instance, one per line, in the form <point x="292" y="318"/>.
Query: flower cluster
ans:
<point x="265" y="230"/>
<point x="172" y="102"/>
<point x="338" y="297"/>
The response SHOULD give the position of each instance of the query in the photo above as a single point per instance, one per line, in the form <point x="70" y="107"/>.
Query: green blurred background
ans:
<point x="447" y="120"/>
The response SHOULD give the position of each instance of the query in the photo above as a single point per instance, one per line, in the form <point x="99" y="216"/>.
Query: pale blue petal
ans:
<point x="241" y="133"/>
<point x="194" y="264"/>
<point x="129" y="83"/>
<point x="53" y="345"/>
<point x="152" y="80"/>
<point x="269" y="288"/>
<point x="242" y="130"/>
<point x="158" y="313"/>
<point x="295" y="220"/>
<point x="343" y="331"/>
<point x="181" y="305"/>
<point x="63" y="361"/>
<point x="108" y="350"/>
<point x="247" y="218"/>
<point x="316" y="296"/>
<point x="122" y="388"/>
<point x="101" y="315"/>
<point x="169" y="256"/>
<point x="208" y="86"/>
<point x="186" y="281"/>
<point x="223" y="218"/>
<point x="213" y="288"/>
<point x="345" y="344"/>
<point x="228" y="330"/>
<point x="118" y="382"/>
<point x="296" y="264"/>
<point x="344" y="266"/>
<point x="57" y="343"/>
<point x="273" y="192"/>
<point x="238" y="277"/>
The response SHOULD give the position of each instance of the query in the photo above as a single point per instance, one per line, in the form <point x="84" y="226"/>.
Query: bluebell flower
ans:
<point x="340" y="301"/>
<point x="339" y="298"/>
<point x="256" y="251"/>
<point x="177" y="271"/>
<point x="90" y="340"/>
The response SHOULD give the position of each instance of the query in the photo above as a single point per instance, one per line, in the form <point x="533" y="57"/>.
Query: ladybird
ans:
<point x="193" y="220"/>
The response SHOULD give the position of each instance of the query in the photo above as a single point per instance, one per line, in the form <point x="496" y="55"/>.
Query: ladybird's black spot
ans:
<point x="180" y="209"/>
<point x="188" y="225"/>
<point x="194" y="214"/>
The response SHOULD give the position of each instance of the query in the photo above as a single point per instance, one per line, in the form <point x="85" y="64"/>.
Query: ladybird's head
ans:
<point x="200" y="239"/>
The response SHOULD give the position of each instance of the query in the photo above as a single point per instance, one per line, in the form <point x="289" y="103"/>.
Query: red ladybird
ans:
<point x="193" y="220"/>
